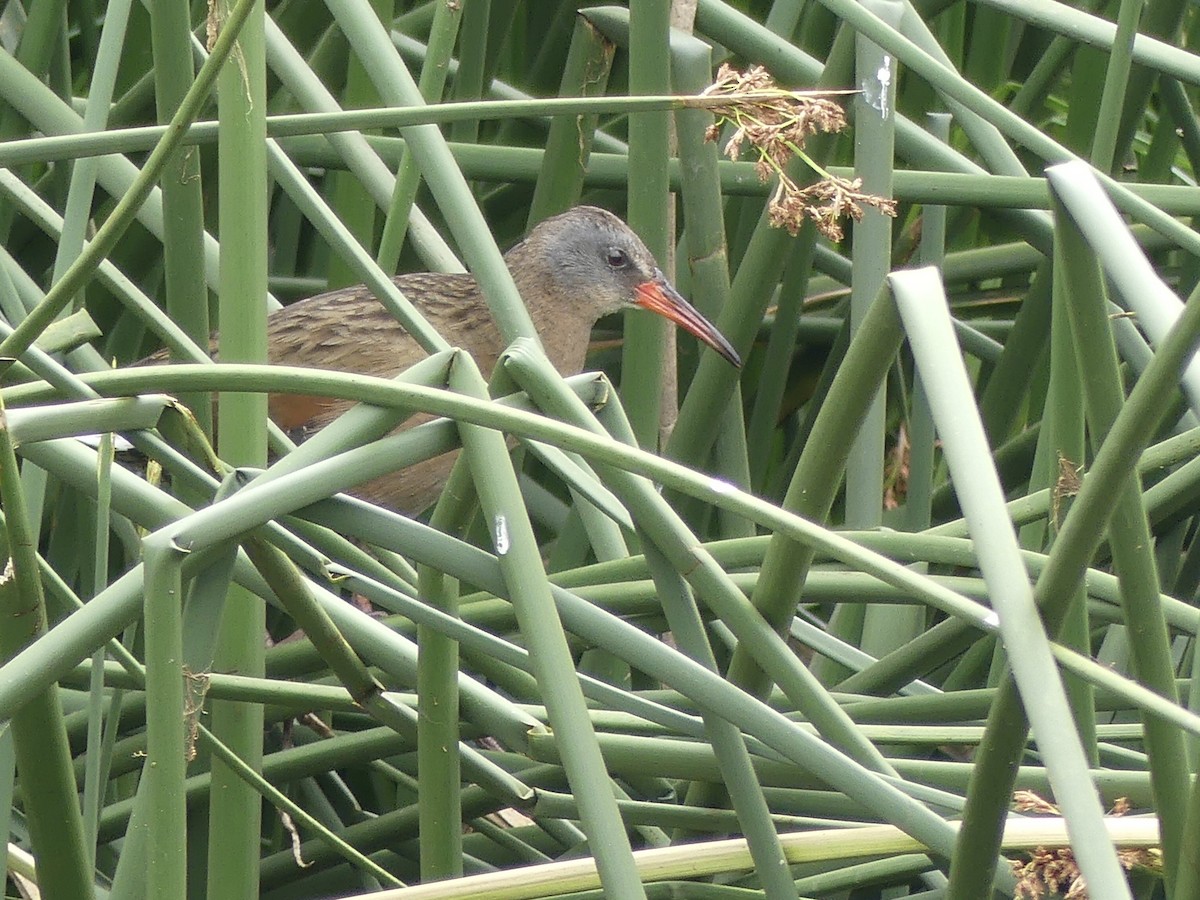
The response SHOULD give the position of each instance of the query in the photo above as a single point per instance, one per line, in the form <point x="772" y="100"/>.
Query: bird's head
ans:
<point x="596" y="263"/>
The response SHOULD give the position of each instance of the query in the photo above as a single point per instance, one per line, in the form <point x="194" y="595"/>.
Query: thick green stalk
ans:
<point x="1082" y="531"/>
<point x="645" y="358"/>
<point x="815" y="484"/>
<point x="707" y="255"/>
<point x="521" y="565"/>
<point x="728" y="745"/>
<point x="43" y="757"/>
<point x="472" y="64"/>
<point x="1034" y="668"/>
<point x="1060" y="456"/>
<point x="569" y="142"/>
<point x="1129" y="536"/>
<point x="182" y="190"/>
<point x="871" y="628"/>
<point x="919" y="494"/>
<point x="235" y="808"/>
<point x="440" y="787"/>
<point x="162" y="802"/>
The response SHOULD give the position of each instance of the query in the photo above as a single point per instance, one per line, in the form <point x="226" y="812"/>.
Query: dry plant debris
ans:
<point x="1066" y="486"/>
<point x="776" y="123"/>
<point x="1053" y="871"/>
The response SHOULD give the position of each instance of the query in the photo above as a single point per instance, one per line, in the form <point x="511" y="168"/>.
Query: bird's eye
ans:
<point x="617" y="258"/>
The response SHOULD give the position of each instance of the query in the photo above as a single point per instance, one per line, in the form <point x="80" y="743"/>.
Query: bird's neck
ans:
<point x="563" y="319"/>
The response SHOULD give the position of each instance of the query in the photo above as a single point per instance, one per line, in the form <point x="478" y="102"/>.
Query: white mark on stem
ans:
<point x="875" y="91"/>
<point x="500" y="535"/>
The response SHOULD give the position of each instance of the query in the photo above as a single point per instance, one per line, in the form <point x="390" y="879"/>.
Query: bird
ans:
<point x="571" y="269"/>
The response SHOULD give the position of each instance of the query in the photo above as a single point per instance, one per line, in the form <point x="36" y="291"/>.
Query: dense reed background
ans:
<point x="904" y="608"/>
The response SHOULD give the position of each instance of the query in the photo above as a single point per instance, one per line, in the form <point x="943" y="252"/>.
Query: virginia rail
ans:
<point x="571" y="270"/>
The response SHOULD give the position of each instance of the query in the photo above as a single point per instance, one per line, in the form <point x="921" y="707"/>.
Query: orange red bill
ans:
<point x="658" y="296"/>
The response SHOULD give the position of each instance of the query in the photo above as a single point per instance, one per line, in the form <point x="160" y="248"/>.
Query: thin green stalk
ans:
<point x="434" y="70"/>
<point x="351" y="147"/>
<point x="469" y="80"/>
<point x="934" y="647"/>
<point x="327" y="121"/>
<point x="297" y="812"/>
<point x="1036" y="86"/>
<point x="1005" y="393"/>
<point x="1162" y="20"/>
<point x="781" y="348"/>
<point x="349" y="199"/>
<point x="1116" y="85"/>
<point x="83" y="172"/>
<point x="396" y="86"/>
<point x="96" y="757"/>
<point x="118" y="221"/>
<point x="1182" y="113"/>
<point x="8" y="771"/>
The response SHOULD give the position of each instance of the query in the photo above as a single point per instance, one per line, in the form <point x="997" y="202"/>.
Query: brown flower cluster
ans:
<point x="776" y="123"/>
<point x="767" y="116"/>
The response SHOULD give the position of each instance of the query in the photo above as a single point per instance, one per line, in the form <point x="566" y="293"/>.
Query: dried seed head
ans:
<point x="776" y="123"/>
